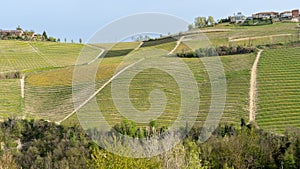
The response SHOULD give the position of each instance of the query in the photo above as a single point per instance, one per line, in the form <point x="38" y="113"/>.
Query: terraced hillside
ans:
<point x="279" y="89"/>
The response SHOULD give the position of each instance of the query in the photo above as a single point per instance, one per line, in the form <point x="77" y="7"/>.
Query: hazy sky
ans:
<point x="74" y="19"/>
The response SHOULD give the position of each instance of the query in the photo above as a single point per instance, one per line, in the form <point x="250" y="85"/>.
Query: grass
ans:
<point x="279" y="89"/>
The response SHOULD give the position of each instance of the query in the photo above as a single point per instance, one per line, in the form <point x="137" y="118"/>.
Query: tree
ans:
<point x="102" y="159"/>
<point x="80" y="40"/>
<point x="190" y="27"/>
<point x="51" y="39"/>
<point x="65" y="40"/>
<point x="58" y="39"/>
<point x="7" y="161"/>
<point x="44" y="36"/>
<point x="19" y="28"/>
<point x="200" y="22"/>
<point x="211" y="21"/>
<point x="153" y="123"/>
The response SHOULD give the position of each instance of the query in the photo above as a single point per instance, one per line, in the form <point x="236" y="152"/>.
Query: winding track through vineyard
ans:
<point x="253" y="89"/>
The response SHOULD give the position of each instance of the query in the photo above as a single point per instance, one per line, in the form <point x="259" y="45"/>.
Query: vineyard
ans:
<point x="279" y="89"/>
<point x="49" y="68"/>
<point x="237" y="71"/>
<point x="18" y="55"/>
<point x="10" y="98"/>
<point x="289" y="32"/>
<point x="48" y="94"/>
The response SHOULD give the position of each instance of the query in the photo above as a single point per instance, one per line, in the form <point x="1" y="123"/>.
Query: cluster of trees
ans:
<point x="218" y="51"/>
<point x="258" y="21"/>
<point x="201" y="22"/>
<point x="10" y="75"/>
<point x="40" y="144"/>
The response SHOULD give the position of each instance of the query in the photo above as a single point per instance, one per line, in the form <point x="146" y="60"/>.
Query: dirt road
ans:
<point x="253" y="89"/>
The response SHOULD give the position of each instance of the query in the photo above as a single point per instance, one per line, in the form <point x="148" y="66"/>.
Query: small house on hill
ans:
<point x="239" y="18"/>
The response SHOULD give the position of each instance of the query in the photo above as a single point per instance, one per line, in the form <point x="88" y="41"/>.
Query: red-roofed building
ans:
<point x="266" y="15"/>
<point x="13" y="33"/>
<point x="295" y="13"/>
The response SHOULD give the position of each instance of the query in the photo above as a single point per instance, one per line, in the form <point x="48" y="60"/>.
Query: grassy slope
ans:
<point x="279" y="89"/>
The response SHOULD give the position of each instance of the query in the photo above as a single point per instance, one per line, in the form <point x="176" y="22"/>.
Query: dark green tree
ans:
<point x="44" y="36"/>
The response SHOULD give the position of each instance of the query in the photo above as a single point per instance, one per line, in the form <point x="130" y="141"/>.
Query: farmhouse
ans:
<point x="286" y="15"/>
<point x="295" y="13"/>
<point x="239" y="18"/>
<point x="276" y="16"/>
<point x="266" y="15"/>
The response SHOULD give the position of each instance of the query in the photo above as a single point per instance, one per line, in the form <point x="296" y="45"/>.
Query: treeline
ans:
<point x="40" y="144"/>
<point x="218" y="51"/>
<point x="162" y="40"/>
<point x="10" y="75"/>
<point x="258" y="22"/>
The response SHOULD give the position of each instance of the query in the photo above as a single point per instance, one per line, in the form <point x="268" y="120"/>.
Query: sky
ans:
<point x="74" y="19"/>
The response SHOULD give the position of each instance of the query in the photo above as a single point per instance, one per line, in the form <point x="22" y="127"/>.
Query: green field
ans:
<point x="279" y="89"/>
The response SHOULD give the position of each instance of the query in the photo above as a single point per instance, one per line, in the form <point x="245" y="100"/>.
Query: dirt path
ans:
<point x="177" y="44"/>
<point x="231" y="39"/>
<point x="98" y="56"/>
<point x="140" y="45"/>
<point x="215" y="30"/>
<point x="95" y="93"/>
<point x="253" y="89"/>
